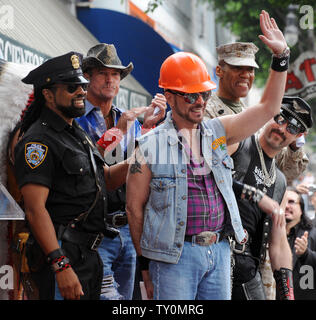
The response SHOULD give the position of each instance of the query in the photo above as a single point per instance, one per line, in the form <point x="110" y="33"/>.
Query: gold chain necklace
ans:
<point x="269" y="177"/>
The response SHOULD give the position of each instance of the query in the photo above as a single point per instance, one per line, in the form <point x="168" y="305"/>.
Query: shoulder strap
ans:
<point x="84" y="138"/>
<point x="84" y="215"/>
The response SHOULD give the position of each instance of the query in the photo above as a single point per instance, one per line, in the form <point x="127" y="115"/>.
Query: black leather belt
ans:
<point x="117" y="220"/>
<point x="89" y="240"/>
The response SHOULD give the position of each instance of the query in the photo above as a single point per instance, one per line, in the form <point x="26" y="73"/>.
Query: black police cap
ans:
<point x="299" y="109"/>
<point x="61" y="69"/>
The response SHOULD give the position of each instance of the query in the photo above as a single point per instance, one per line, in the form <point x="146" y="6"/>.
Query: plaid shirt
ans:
<point x="206" y="206"/>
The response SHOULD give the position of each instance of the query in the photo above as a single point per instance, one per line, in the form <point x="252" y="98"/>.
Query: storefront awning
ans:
<point x="42" y="29"/>
<point x="134" y="40"/>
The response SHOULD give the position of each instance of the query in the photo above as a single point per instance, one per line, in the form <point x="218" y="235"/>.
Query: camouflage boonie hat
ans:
<point x="105" y="55"/>
<point x="238" y="54"/>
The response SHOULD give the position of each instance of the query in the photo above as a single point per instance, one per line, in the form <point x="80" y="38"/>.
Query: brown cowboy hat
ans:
<point x="105" y="55"/>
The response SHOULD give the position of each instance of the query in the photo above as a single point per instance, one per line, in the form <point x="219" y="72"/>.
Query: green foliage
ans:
<point x="152" y="5"/>
<point x="242" y="18"/>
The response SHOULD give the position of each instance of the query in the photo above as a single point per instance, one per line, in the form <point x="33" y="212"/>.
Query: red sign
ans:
<point x="301" y="77"/>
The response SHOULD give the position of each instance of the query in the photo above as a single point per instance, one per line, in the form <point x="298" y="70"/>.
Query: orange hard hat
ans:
<point x="185" y="72"/>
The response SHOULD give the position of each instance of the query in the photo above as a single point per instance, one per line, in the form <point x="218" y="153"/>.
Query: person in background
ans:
<point x="105" y="71"/>
<point x="302" y="239"/>
<point x="308" y="193"/>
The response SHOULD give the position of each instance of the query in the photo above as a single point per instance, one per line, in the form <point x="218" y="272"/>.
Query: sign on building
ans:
<point x="301" y="77"/>
<point x="14" y="51"/>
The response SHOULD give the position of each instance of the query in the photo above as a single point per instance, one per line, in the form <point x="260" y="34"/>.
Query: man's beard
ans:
<point x="186" y="116"/>
<point x="71" y="111"/>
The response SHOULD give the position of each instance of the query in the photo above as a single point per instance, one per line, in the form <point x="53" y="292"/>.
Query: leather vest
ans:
<point x="241" y="164"/>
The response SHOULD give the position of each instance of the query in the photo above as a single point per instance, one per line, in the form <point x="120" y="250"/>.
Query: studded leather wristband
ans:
<point x="60" y="264"/>
<point x="251" y="194"/>
<point x="55" y="254"/>
<point x="258" y="196"/>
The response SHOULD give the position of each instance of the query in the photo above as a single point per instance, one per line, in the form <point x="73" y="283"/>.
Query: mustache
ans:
<point x="279" y="133"/>
<point x="79" y="96"/>
<point x="109" y="85"/>
<point x="197" y="106"/>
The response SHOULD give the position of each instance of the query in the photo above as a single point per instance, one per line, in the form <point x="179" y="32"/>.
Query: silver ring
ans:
<point x="275" y="211"/>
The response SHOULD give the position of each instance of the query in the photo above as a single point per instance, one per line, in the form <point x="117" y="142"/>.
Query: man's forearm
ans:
<point x="115" y="175"/>
<point x="273" y="93"/>
<point x="135" y="221"/>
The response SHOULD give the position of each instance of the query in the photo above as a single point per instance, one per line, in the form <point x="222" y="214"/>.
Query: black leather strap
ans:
<point x="89" y="240"/>
<point x="84" y="215"/>
<point x="55" y="254"/>
<point x="117" y="220"/>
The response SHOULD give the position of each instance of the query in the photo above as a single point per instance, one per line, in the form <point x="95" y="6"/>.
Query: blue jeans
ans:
<point x="202" y="273"/>
<point x="119" y="265"/>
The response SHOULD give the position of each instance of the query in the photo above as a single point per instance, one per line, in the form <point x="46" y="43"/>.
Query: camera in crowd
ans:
<point x="311" y="189"/>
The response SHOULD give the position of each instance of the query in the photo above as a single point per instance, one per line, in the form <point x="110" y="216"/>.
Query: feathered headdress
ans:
<point x="14" y="95"/>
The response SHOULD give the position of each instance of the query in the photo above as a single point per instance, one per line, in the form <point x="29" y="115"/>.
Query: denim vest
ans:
<point x="165" y="213"/>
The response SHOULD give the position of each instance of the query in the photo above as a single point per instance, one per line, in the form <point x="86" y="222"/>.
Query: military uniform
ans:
<point x="291" y="163"/>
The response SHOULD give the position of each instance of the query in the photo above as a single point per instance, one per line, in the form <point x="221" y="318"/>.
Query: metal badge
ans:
<point x="75" y="61"/>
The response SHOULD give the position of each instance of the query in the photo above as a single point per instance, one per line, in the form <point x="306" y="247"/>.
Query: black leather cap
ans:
<point x="299" y="109"/>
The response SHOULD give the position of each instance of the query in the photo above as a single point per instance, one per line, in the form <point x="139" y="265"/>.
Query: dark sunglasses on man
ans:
<point x="293" y="125"/>
<point x="73" y="87"/>
<point x="191" y="98"/>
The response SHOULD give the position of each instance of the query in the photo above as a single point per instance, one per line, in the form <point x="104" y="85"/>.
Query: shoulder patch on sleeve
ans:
<point x="35" y="154"/>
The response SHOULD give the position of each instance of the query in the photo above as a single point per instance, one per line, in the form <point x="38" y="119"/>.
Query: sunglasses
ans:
<point x="73" y="87"/>
<point x="293" y="126"/>
<point x="191" y="98"/>
<point x="292" y="202"/>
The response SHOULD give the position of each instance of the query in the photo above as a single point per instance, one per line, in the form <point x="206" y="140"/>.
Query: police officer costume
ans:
<point x="61" y="157"/>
